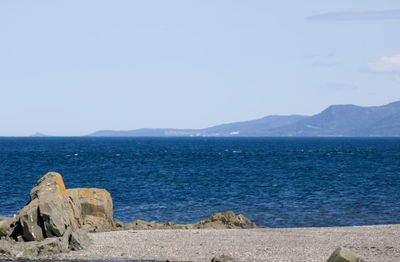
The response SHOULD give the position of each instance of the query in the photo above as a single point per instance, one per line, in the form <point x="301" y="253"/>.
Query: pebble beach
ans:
<point x="374" y="243"/>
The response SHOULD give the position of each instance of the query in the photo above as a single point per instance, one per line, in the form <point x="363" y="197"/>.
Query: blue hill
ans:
<point x="336" y="120"/>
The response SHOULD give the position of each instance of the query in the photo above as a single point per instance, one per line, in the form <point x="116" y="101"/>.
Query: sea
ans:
<point x="275" y="182"/>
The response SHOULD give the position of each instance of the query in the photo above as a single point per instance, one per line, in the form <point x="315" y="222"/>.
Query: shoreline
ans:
<point x="56" y="224"/>
<point x="376" y="243"/>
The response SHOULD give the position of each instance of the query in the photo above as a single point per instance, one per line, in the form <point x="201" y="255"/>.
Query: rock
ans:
<point x="96" y="207"/>
<point x="223" y="258"/>
<point x="342" y="254"/>
<point x="5" y="226"/>
<point x="57" y="211"/>
<point x="50" y="211"/>
<point x="225" y="220"/>
<point x="144" y="225"/>
<point x="79" y="240"/>
<point x="64" y="240"/>
<point x="222" y="220"/>
<point x="55" y="220"/>
<point x="5" y="250"/>
<point x="30" y="221"/>
<point x="48" y="246"/>
<point x="32" y="249"/>
<point x="118" y="225"/>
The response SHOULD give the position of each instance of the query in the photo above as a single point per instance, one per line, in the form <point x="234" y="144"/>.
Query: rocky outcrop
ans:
<point x="144" y="225"/>
<point x="342" y="254"/>
<point x="32" y="249"/>
<point x="224" y="220"/>
<point x="55" y="220"/>
<point x="50" y="212"/>
<point x="96" y="207"/>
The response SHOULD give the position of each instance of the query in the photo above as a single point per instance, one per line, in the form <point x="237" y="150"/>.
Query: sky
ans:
<point x="70" y="68"/>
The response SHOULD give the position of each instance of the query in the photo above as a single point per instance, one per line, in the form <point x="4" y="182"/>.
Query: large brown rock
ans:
<point x="50" y="211"/>
<point x="96" y="207"/>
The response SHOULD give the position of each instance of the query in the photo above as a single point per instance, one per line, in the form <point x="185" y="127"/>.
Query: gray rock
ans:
<point x="225" y="220"/>
<point x="79" y="240"/>
<point x="5" y="250"/>
<point x="30" y="221"/>
<point x="48" y="246"/>
<point x="54" y="221"/>
<point x="5" y="226"/>
<point x="222" y="220"/>
<point x="32" y="249"/>
<point x="223" y="258"/>
<point x="55" y="207"/>
<point x="342" y="254"/>
<point x="50" y="211"/>
<point x="64" y="240"/>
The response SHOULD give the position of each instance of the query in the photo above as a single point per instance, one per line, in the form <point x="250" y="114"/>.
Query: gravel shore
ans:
<point x="374" y="243"/>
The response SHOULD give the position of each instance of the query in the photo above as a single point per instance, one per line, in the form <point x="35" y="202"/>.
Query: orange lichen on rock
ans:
<point x="60" y="184"/>
<point x="96" y="207"/>
<point x="51" y="182"/>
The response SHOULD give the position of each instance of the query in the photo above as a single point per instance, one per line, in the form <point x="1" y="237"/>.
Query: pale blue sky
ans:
<point x="74" y="67"/>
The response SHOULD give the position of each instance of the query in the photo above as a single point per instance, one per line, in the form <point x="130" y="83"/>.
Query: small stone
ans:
<point x="119" y="224"/>
<point x="223" y="258"/>
<point x="20" y="239"/>
<point x="342" y="254"/>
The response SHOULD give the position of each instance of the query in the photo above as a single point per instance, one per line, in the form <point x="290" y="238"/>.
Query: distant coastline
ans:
<point x="334" y="121"/>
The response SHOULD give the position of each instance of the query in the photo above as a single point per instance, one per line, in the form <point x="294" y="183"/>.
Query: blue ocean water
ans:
<point x="275" y="182"/>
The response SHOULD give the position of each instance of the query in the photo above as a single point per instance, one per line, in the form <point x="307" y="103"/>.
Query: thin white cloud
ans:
<point x="387" y="64"/>
<point x="357" y="15"/>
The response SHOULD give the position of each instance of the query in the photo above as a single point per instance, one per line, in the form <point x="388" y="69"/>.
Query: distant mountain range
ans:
<point x="38" y="134"/>
<point x="335" y="121"/>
